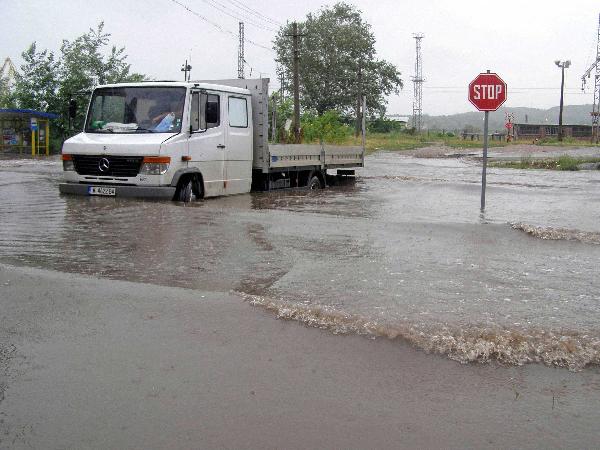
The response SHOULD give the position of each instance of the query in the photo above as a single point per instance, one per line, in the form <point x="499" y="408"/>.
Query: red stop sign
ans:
<point x="487" y="92"/>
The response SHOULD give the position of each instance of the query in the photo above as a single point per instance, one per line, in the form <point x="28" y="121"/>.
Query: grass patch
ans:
<point x="399" y="141"/>
<point x="564" y="162"/>
<point x="566" y="142"/>
<point x="457" y="142"/>
<point x="394" y="141"/>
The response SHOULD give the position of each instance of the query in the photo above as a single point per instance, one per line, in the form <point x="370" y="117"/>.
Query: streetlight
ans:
<point x="563" y="65"/>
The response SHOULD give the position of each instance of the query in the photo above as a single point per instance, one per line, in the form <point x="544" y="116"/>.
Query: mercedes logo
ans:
<point x="103" y="165"/>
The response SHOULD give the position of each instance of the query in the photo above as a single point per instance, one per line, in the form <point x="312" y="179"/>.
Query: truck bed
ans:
<point x="324" y="156"/>
<point x="272" y="157"/>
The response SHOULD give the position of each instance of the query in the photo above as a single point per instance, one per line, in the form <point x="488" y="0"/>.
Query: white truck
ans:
<point x="186" y="140"/>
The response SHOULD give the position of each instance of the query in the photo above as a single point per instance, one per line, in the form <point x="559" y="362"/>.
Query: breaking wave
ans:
<point x="562" y="234"/>
<point x="562" y="348"/>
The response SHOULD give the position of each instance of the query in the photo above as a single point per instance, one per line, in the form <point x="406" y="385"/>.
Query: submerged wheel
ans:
<point x="314" y="183"/>
<point x="185" y="193"/>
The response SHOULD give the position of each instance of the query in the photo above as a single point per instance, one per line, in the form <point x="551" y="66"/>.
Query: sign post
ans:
<point x="34" y="128"/>
<point x="487" y="92"/>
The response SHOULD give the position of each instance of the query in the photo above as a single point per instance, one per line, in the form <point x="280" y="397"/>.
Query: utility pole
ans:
<point x="187" y="71"/>
<point x="296" y="58"/>
<point x="596" y="107"/>
<point x="359" y="101"/>
<point x="418" y="84"/>
<point x="562" y="65"/>
<point x="274" y="120"/>
<point x="241" y="52"/>
<point x="281" y="85"/>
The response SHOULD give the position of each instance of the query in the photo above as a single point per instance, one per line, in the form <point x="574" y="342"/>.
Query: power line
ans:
<point x="220" y="28"/>
<point x="229" y="12"/>
<point x="258" y="14"/>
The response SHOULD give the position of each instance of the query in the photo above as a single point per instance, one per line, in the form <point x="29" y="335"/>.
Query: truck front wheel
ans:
<point x="186" y="191"/>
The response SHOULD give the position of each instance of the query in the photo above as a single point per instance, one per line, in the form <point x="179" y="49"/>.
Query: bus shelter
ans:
<point x="25" y="130"/>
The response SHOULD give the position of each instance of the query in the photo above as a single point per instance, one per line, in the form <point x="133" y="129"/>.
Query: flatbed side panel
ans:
<point x="259" y="88"/>
<point x="343" y="156"/>
<point x="295" y="155"/>
<point x="326" y="156"/>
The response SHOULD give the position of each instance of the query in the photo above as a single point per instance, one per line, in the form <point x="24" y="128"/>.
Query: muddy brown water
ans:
<point x="402" y="252"/>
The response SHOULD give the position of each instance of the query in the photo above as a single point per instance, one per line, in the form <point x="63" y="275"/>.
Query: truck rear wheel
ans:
<point x="314" y="183"/>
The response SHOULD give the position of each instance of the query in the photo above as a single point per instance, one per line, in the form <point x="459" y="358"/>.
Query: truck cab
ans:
<point x="162" y="140"/>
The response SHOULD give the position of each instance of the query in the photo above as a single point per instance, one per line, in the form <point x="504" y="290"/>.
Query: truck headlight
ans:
<point x="67" y="161"/>
<point x="155" y="165"/>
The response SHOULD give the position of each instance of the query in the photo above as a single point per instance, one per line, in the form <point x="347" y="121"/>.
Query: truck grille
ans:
<point x="107" y="165"/>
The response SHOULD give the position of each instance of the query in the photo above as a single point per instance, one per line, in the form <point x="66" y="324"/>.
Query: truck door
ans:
<point x="238" y="155"/>
<point x="206" y="145"/>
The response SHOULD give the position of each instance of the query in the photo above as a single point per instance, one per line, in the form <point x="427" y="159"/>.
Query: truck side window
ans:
<point x="205" y="111"/>
<point x="238" y="112"/>
<point x="195" y="112"/>
<point x="213" y="116"/>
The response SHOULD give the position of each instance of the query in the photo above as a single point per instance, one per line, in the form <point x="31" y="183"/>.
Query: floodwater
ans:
<point x="403" y="252"/>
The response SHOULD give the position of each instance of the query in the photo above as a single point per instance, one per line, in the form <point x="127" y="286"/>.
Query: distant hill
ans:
<point x="572" y="115"/>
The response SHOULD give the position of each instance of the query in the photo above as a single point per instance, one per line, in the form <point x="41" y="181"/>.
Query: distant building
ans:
<point x="534" y="131"/>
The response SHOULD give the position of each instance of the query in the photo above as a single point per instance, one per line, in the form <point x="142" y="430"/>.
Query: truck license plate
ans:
<point x="101" y="190"/>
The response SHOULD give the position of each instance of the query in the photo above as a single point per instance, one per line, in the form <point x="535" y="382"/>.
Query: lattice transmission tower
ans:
<point x="241" y="59"/>
<point x="596" y="107"/>
<point x="418" y="84"/>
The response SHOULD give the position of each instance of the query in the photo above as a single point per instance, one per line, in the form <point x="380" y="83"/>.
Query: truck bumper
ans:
<point x="163" y="192"/>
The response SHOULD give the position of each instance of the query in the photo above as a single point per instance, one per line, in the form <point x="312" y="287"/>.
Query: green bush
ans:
<point x="385" y="126"/>
<point x="328" y="128"/>
<point x="566" y="162"/>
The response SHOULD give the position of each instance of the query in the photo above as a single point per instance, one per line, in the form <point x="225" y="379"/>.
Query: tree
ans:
<point x="83" y="66"/>
<point x="337" y="62"/>
<point x="47" y="83"/>
<point x="37" y="84"/>
<point x="7" y="97"/>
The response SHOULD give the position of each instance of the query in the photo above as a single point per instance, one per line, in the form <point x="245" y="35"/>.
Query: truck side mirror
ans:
<point x="72" y="108"/>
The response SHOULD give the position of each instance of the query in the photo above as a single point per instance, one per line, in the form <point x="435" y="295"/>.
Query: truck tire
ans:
<point x="314" y="183"/>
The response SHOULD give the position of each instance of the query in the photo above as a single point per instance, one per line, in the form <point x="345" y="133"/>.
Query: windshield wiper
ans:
<point x="145" y="130"/>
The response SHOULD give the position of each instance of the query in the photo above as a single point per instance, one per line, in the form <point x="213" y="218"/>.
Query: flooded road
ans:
<point x="402" y="252"/>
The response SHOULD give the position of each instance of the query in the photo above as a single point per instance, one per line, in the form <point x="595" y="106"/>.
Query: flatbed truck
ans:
<point x="190" y="140"/>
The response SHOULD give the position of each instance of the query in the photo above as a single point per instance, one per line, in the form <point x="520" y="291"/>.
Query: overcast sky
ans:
<point x="520" y="40"/>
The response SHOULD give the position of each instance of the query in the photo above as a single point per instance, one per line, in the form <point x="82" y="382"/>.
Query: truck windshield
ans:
<point x="143" y="109"/>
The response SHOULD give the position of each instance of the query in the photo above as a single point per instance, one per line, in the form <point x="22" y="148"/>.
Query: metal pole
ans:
<point x="241" y="51"/>
<point x="562" y="89"/>
<point x="485" y="149"/>
<point x="296" y="85"/>
<point x="274" y="121"/>
<point x="47" y="133"/>
<point x="359" y="99"/>
<point x="364" y="123"/>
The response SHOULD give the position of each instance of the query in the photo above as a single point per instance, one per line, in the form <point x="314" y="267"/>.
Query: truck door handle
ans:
<point x="220" y="146"/>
